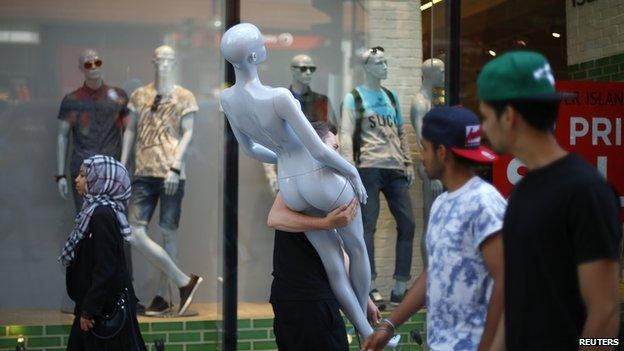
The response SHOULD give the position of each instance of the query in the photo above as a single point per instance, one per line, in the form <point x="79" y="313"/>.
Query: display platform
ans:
<point x="46" y="330"/>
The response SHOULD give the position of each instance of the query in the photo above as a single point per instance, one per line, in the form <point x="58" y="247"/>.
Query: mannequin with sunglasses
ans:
<point x="161" y="125"/>
<point x="430" y="95"/>
<point x="271" y="127"/>
<point x="373" y="139"/>
<point x="316" y="107"/>
<point x="95" y="115"/>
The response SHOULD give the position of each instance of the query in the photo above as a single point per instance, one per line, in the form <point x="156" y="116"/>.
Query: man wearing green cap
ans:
<point x="561" y="231"/>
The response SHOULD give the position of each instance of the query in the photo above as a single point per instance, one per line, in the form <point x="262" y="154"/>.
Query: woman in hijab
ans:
<point x="97" y="276"/>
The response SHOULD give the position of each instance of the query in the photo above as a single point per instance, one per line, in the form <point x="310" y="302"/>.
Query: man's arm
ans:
<point x="492" y="251"/>
<point x="598" y="282"/>
<point x="498" y="344"/>
<point x="283" y="218"/>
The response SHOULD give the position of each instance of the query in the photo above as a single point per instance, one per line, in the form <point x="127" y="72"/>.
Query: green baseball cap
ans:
<point x="522" y="75"/>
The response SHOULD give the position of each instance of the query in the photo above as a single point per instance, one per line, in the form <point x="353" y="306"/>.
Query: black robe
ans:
<point x="94" y="281"/>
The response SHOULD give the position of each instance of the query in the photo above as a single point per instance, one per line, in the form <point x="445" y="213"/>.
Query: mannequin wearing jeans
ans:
<point x="161" y="122"/>
<point x="371" y="120"/>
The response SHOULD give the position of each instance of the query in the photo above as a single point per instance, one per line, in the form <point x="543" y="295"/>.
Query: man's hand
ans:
<point x="342" y="216"/>
<point x="410" y="174"/>
<point x="62" y="187"/>
<point x="377" y="341"/>
<point x="171" y="183"/>
<point x="86" y="324"/>
<point x="372" y="312"/>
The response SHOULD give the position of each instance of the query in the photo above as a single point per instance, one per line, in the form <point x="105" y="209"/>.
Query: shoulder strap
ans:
<point x="391" y="97"/>
<point x="357" y="133"/>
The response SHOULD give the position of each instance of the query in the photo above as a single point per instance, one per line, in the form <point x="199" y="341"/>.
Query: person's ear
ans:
<point x="509" y="118"/>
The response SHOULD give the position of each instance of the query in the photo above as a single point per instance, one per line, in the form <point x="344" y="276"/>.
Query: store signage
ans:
<point x="590" y="125"/>
<point x="578" y="3"/>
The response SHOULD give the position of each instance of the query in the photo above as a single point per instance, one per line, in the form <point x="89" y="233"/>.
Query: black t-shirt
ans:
<point x="558" y="217"/>
<point x="298" y="273"/>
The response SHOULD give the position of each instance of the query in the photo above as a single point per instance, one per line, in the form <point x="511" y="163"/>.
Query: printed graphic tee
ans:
<point x="97" y="119"/>
<point x="458" y="283"/>
<point x="159" y="131"/>
<point x="383" y="142"/>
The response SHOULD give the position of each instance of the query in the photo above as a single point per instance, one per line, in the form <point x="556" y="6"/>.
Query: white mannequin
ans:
<point x="93" y="80"/>
<point x="164" y="62"/>
<point x="433" y="78"/>
<point x="270" y="127"/>
<point x="299" y="84"/>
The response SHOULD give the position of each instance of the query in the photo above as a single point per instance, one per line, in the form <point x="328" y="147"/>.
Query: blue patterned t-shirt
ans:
<point x="458" y="282"/>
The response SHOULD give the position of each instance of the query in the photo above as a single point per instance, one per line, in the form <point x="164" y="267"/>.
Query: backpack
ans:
<point x="359" y="119"/>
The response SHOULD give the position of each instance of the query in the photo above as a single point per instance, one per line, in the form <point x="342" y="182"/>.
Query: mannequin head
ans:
<point x="164" y="60"/>
<point x="375" y="62"/>
<point x="302" y="68"/>
<point x="243" y="46"/>
<point x="90" y="65"/>
<point x="433" y="72"/>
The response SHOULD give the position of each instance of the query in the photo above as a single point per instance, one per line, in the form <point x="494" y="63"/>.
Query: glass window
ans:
<point x="47" y="112"/>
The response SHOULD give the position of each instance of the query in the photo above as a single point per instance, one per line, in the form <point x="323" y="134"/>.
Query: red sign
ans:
<point x="589" y="125"/>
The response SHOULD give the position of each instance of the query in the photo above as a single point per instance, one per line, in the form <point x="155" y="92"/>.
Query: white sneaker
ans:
<point x="394" y="341"/>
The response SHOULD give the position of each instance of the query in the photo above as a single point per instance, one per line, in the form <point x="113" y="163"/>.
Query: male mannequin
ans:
<point x="95" y="114"/>
<point x="372" y="137"/>
<point x="316" y="107"/>
<point x="161" y="122"/>
<point x="433" y="79"/>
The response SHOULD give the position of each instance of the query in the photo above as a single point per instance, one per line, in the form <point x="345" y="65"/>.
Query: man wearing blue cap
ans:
<point x="561" y="228"/>
<point x="462" y="285"/>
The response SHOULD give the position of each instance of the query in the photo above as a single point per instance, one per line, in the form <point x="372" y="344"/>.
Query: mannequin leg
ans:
<point x="327" y="245"/>
<point x="170" y="213"/>
<point x="157" y="256"/>
<point x="359" y="271"/>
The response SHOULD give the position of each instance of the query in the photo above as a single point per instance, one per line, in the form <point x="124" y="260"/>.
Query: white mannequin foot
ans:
<point x="394" y="341"/>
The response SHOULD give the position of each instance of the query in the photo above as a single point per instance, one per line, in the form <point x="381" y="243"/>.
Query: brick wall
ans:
<point x="604" y="69"/>
<point x="396" y="26"/>
<point x="594" y="30"/>
<point x="253" y="334"/>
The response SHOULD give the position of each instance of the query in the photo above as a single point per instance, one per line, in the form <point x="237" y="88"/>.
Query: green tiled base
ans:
<point x="254" y="334"/>
<point x="605" y="69"/>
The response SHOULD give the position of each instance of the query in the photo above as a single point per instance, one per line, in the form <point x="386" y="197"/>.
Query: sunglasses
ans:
<point x="92" y="64"/>
<point x="156" y="103"/>
<point x="303" y="69"/>
<point x="374" y="51"/>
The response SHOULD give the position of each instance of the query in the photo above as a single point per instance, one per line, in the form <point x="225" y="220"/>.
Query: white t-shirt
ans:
<point x="458" y="282"/>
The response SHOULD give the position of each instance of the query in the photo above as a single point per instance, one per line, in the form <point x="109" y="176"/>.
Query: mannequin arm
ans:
<point x="62" y="141"/>
<point x="128" y="138"/>
<point x="187" y="135"/>
<point x="345" y="130"/>
<point x="288" y="109"/>
<point x="254" y="150"/>
<point x="417" y="112"/>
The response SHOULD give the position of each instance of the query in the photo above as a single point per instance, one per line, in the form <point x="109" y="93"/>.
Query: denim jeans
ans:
<point x="393" y="183"/>
<point x="146" y="191"/>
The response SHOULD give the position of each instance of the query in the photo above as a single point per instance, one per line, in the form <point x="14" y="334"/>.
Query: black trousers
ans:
<point x="309" y="325"/>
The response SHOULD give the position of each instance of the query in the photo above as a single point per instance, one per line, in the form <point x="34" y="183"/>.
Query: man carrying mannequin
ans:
<point x="372" y="138"/>
<point x="161" y="122"/>
<point x="316" y="107"/>
<point x="307" y="315"/>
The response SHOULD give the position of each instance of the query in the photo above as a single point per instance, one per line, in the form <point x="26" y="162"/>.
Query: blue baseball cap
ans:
<point x="458" y="129"/>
